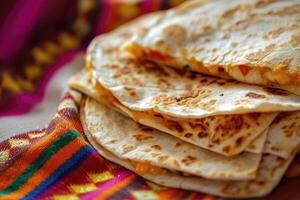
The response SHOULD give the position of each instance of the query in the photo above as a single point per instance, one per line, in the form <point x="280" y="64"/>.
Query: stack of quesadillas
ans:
<point x="162" y="100"/>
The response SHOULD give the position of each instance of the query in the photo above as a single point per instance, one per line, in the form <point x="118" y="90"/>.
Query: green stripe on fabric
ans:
<point x="53" y="148"/>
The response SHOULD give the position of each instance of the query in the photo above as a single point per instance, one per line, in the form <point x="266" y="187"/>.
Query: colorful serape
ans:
<point x="58" y="163"/>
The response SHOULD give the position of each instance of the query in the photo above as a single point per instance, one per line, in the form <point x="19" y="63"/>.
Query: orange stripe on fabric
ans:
<point x="48" y="168"/>
<point x="29" y="156"/>
<point x="116" y="187"/>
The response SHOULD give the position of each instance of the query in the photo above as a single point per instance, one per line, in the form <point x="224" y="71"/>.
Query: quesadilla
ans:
<point x="159" y="158"/>
<point x="191" y="130"/>
<point x="85" y="83"/>
<point x="133" y="141"/>
<point x="256" y="41"/>
<point x="284" y="135"/>
<point x="220" y="115"/>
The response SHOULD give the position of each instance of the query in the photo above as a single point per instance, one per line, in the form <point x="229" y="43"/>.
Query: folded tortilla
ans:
<point x="128" y="139"/>
<point x="284" y="135"/>
<point x="168" y="161"/>
<point x="254" y="41"/>
<point x="220" y="115"/>
<point x="84" y="82"/>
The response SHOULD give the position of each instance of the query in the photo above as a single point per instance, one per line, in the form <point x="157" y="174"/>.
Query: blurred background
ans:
<point x="42" y="43"/>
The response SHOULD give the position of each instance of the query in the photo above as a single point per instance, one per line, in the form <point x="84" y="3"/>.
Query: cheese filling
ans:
<point x="244" y="73"/>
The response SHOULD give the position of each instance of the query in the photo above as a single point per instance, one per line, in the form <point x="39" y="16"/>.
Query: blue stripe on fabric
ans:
<point x="76" y="159"/>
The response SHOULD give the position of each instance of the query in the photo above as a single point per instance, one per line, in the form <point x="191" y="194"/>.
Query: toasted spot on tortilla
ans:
<point x="188" y="160"/>
<point x="239" y="141"/>
<point x="157" y="147"/>
<point x="229" y="128"/>
<point x="175" y="32"/>
<point x="178" y="144"/>
<point x="141" y="137"/>
<point x="145" y="128"/>
<point x="113" y="141"/>
<point x="202" y="134"/>
<point x="275" y="149"/>
<point x="188" y="135"/>
<point x="226" y="149"/>
<point x="163" y="158"/>
<point x="276" y="91"/>
<point x="173" y="125"/>
<point x="255" y="95"/>
<point x="127" y="147"/>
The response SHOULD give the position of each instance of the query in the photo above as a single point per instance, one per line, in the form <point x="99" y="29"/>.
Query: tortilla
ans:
<point x="256" y="42"/>
<point x="272" y="165"/>
<point x="84" y="82"/>
<point x="147" y="93"/>
<point x="284" y="135"/>
<point x="130" y="140"/>
<point x="257" y="145"/>
<point x="145" y="86"/>
<point x="269" y="174"/>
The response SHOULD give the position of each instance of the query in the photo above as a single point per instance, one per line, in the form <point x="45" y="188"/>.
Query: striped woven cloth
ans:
<point x="41" y="46"/>
<point x="58" y="163"/>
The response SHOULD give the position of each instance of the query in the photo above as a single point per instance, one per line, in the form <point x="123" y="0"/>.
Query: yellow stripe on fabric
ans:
<point x="52" y="149"/>
<point x="48" y="168"/>
<point x="28" y="157"/>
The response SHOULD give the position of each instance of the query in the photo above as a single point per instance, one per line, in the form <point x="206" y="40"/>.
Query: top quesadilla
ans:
<point x="145" y="86"/>
<point x="219" y="115"/>
<point x="255" y="41"/>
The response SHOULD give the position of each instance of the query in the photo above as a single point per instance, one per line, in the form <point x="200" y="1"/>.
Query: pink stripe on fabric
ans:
<point x="102" y="18"/>
<point x="23" y="102"/>
<point x="15" y="30"/>
<point x="147" y="6"/>
<point x="121" y="175"/>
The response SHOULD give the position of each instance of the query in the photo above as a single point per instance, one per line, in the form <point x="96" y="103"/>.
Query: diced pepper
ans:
<point x="244" y="69"/>
<point x="158" y="56"/>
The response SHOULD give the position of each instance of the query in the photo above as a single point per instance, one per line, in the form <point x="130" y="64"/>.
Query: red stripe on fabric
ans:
<point x="29" y="156"/>
<point x="48" y="168"/>
<point x="93" y="164"/>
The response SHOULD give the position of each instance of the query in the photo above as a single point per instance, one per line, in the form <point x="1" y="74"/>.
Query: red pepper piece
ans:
<point x="244" y="69"/>
<point x="158" y="56"/>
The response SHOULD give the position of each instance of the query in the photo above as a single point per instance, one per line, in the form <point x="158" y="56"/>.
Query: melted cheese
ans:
<point x="145" y="168"/>
<point x="248" y="74"/>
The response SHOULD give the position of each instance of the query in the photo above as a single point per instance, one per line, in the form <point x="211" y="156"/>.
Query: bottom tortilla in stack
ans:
<point x="168" y="161"/>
